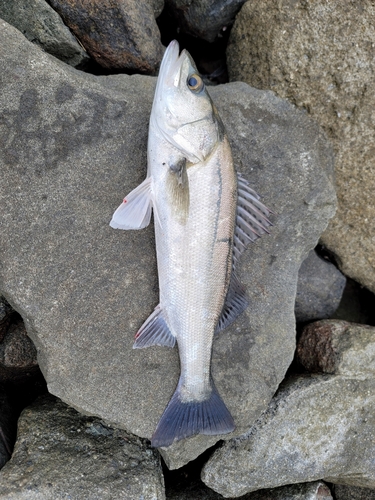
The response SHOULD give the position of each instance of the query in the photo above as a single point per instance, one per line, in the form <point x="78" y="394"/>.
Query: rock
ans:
<point x="5" y="428"/>
<point x="205" y="19"/>
<point x="319" y="289"/>
<point x="119" y="35"/>
<point x="43" y="26"/>
<point x="70" y="151"/>
<point x="158" y="7"/>
<point x="343" y="492"/>
<point x="357" y="304"/>
<point x="5" y="314"/>
<point x="62" y="454"/>
<point x="320" y="56"/>
<point x="17" y="352"/>
<point x="337" y="347"/>
<point x="304" y="491"/>
<point x="316" y="427"/>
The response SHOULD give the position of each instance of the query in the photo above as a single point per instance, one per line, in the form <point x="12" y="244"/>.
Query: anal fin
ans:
<point x="154" y="331"/>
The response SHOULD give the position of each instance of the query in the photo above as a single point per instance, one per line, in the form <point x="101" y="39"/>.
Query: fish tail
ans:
<point x="183" y="419"/>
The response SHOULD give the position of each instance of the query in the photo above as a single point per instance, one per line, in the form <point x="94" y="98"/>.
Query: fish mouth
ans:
<point x="170" y="68"/>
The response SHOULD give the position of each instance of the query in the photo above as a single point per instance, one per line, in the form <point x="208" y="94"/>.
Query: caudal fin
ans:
<point x="181" y="420"/>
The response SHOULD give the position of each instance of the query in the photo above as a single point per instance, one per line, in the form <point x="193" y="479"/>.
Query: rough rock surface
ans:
<point x="118" y="35"/>
<point x="343" y="492"/>
<point x="339" y="347"/>
<point x="316" y="427"/>
<point x="42" y="25"/>
<point x="319" y="289"/>
<point x="304" y="491"/>
<point x="69" y="154"/>
<point x="205" y="19"/>
<point x="320" y="56"/>
<point x="62" y="454"/>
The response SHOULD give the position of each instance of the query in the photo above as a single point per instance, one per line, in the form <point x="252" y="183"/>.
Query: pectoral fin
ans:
<point x="135" y="211"/>
<point x="178" y="190"/>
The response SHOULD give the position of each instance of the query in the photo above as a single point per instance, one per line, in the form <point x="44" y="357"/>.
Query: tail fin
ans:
<point x="181" y="420"/>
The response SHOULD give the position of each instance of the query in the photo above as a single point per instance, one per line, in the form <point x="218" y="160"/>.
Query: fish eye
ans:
<point x="195" y="83"/>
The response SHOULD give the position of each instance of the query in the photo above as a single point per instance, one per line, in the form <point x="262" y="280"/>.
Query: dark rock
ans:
<point x="316" y="427"/>
<point x="343" y="492"/>
<point x="205" y="19"/>
<point x="337" y="347"/>
<point x="71" y="150"/>
<point x="17" y="352"/>
<point x="43" y="26"/>
<point x="118" y="34"/>
<point x="62" y="454"/>
<point x="320" y="56"/>
<point x="6" y="312"/>
<point x="319" y="289"/>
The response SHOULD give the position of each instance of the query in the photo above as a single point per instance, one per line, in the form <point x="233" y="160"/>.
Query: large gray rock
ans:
<point x="120" y="35"/>
<point x="43" y="26"/>
<point x="319" y="289"/>
<point x="205" y="19"/>
<point x="61" y="454"/>
<point x="320" y="56"/>
<point x="318" y="427"/>
<point x="71" y="149"/>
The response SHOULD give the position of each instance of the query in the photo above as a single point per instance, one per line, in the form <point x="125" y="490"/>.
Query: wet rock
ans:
<point x="343" y="492"/>
<point x="62" y="454"/>
<point x="43" y="26"/>
<point x="320" y="55"/>
<point x="319" y="289"/>
<point x="17" y="352"/>
<point x="6" y="312"/>
<point x="5" y="428"/>
<point x="316" y="427"/>
<point x="205" y="19"/>
<point x="119" y="35"/>
<point x="70" y="153"/>
<point x="337" y="347"/>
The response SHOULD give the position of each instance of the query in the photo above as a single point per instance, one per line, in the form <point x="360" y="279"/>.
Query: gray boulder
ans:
<point x="320" y="56"/>
<point x="62" y="454"/>
<point x="319" y="289"/>
<point x="43" y="26"/>
<point x="71" y="150"/>
<point x="317" y="427"/>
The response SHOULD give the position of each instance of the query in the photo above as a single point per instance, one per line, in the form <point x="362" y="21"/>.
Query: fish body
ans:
<point x="193" y="189"/>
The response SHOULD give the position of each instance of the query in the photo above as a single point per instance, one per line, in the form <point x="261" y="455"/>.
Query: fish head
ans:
<point x="182" y="109"/>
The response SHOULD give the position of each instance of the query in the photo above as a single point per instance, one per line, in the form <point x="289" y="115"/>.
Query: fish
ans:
<point x="205" y="215"/>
